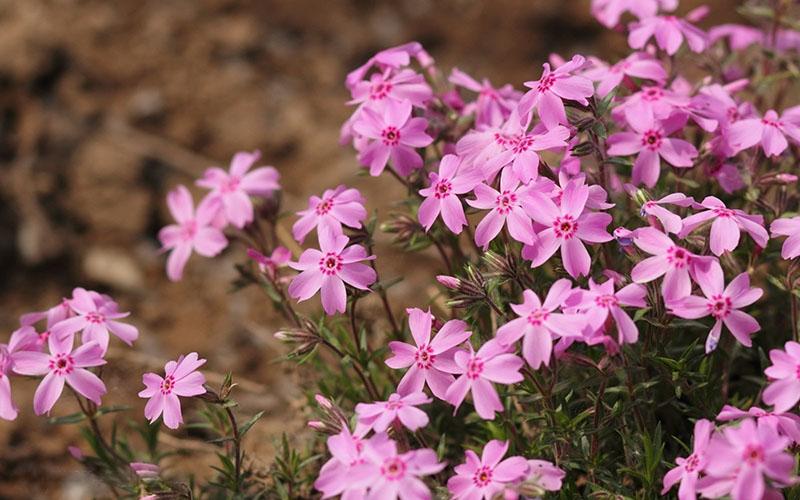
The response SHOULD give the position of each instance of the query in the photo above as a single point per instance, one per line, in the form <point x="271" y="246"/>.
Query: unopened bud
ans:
<point x="449" y="281"/>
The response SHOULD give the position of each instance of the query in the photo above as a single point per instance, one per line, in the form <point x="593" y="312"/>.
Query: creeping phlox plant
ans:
<point x="610" y="319"/>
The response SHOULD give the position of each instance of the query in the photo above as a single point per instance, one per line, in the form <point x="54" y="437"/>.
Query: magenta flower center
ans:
<point x="489" y="92"/>
<point x="482" y="476"/>
<point x="565" y="227"/>
<point x="503" y="139"/>
<point x="61" y="364"/>
<point x="95" y="318"/>
<point x="442" y="188"/>
<point x="652" y="94"/>
<point x="390" y="136"/>
<point x="188" y="230"/>
<point x="324" y="206"/>
<point x="678" y="257"/>
<point x="474" y="368"/>
<point x="231" y="185"/>
<point x="733" y="113"/>
<point x="393" y="469"/>
<point x="394" y="405"/>
<point x="753" y="454"/>
<point x="523" y="143"/>
<point x="330" y="264"/>
<point x="606" y="300"/>
<point x="652" y="139"/>
<point x="167" y="385"/>
<point x="546" y="83"/>
<point x="424" y="357"/>
<point x="723" y="212"/>
<point x="539" y="316"/>
<point x="772" y="123"/>
<point x="506" y="201"/>
<point x="692" y="463"/>
<point x="380" y="90"/>
<point x="720" y="306"/>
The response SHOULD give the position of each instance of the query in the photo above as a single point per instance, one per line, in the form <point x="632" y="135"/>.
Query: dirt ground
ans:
<point x="104" y="106"/>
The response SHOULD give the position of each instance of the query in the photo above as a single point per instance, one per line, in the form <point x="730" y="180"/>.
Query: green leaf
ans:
<point x="73" y="418"/>
<point x="247" y="425"/>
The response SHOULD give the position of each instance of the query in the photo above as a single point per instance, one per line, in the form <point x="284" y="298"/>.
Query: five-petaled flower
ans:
<point x="548" y="93"/>
<point x="95" y="321"/>
<point x="336" y="207"/>
<point x="726" y="226"/>
<point x="403" y="409"/>
<point x="482" y="478"/>
<point x="441" y="195"/>
<point x="181" y="378"/>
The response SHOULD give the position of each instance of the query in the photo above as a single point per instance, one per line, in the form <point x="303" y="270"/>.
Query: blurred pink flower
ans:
<point x="336" y="207"/>
<point x="493" y="105"/>
<point x="552" y="88"/>
<point x="23" y="339"/>
<point x="181" y="378"/>
<point x="609" y="12"/>
<point x="279" y="258"/>
<point x="441" y="195"/>
<point x="392" y="58"/>
<point x="783" y="392"/>
<point x="726" y="226"/>
<point x="482" y="478"/>
<point x="637" y="65"/>
<point x="670" y="33"/>
<point x="787" y="424"/>
<point x="403" y="85"/>
<point x="770" y="131"/>
<point x="788" y="227"/>
<point x="382" y="414"/>
<point x="343" y="473"/>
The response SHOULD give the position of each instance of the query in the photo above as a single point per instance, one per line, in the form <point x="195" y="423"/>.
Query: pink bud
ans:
<point x="449" y="281"/>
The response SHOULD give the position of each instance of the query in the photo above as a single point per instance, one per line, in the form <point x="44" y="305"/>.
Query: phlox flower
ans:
<point x="505" y="209"/>
<point x="95" y="321"/>
<point x="392" y="58"/>
<point x="783" y="391"/>
<point x="542" y="476"/>
<point x="441" y="195"/>
<point x="722" y="303"/>
<point x="145" y="470"/>
<point x="23" y="339"/>
<point x="329" y="268"/>
<point x="670" y="222"/>
<point x="770" y="131"/>
<point x="687" y="470"/>
<point x="380" y="415"/>
<point x="548" y="93"/>
<point x="62" y="365"/>
<point x="675" y="263"/>
<point x="181" y="378"/>
<point x="53" y="315"/>
<point x="637" y="65"/>
<point x="482" y="478"/>
<point x="492" y="363"/>
<point x="651" y="141"/>
<point x="726" y="226"/>
<point x="741" y="458"/>
<point x="653" y="102"/>
<point x="336" y="207"/>
<point x="670" y="33"/>
<point x="493" y="105"/>
<point x="391" y="474"/>
<point x="609" y="12"/>
<point x="598" y="197"/>
<point x="787" y="424"/>
<point x="538" y="324"/>
<point x="394" y="134"/>
<point x="194" y="231"/>
<point x="601" y="301"/>
<point x="567" y="226"/>
<point x="234" y="188"/>
<point x="336" y="477"/>
<point x="279" y="258"/>
<point x="429" y="361"/>
<point x="739" y="36"/>
<point x="521" y="149"/>
<point x="788" y="227"/>
<point x="403" y="85"/>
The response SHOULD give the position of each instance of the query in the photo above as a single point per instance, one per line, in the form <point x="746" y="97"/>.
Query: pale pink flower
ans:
<point x="95" y="321"/>
<point x="382" y="414"/>
<point x="609" y="12"/>
<point x="394" y="134"/>
<point x="181" y="378"/>
<point x="542" y="476"/>
<point x="430" y="361"/>
<point x="392" y="58"/>
<point x="739" y="36"/>
<point x="722" y="303"/>
<point x="336" y="207"/>
<point x="770" y="131"/>
<point x="329" y="268"/>
<point x="482" y="478"/>
<point x="23" y="339"/>
<point x="279" y="258"/>
<point x="741" y="458"/>
<point x="601" y="300"/>
<point x="652" y="102"/>
<point x="675" y="263"/>
<point x="726" y="226"/>
<point x="53" y="315"/>
<point x="403" y="85"/>
<point x="787" y="424"/>
<point x="234" y="188"/>
<point x="687" y="470"/>
<point x="538" y="324"/>
<point x="670" y="222"/>
<point x="567" y="226"/>
<point x="651" y="141"/>
<point x="493" y="105"/>
<point x="391" y="474"/>
<point x="492" y="363"/>
<point x="783" y="392"/>
<point x="344" y="473"/>
<point x="62" y="365"/>
<point x="194" y="231"/>
<point x="441" y="195"/>
<point x="548" y="93"/>
<point x="670" y="33"/>
<point x="637" y="65"/>
<point x="788" y="227"/>
<point x="505" y="210"/>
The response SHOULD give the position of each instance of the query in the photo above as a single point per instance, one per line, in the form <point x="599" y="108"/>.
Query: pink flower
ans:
<point x="329" y="268"/>
<point x="380" y="415"/>
<point x="193" y="231"/>
<point x="54" y="315"/>
<point x="739" y="36"/>
<point x="787" y="424"/>
<point x="505" y="209"/>
<point x="493" y="105"/>
<point x="726" y="225"/>
<point x="95" y="321"/>
<point x="788" y="227"/>
<point x="441" y="196"/>
<point x="567" y="227"/>
<point x="675" y="263"/>
<point x="688" y="469"/>
<point x="670" y="32"/>
<point x="403" y="85"/>
<point x="538" y="324"/>
<point x="670" y="222"/>
<point x="63" y="364"/>
<point x="740" y="457"/>
<point x="548" y="92"/>
<point x="482" y="478"/>
<point x="23" y="339"/>
<point x="770" y="131"/>
<point x="521" y="151"/>
<point x="235" y="187"/>
<point x="543" y="475"/>
<point x="145" y="470"/>
<point x="478" y="370"/>
<point x="394" y="134"/>
<point x="601" y="300"/>
<point x="279" y="258"/>
<point x="336" y="477"/>
<point x="430" y="361"/>
<point x="181" y="378"/>
<point x="392" y="58"/>
<point x="783" y="392"/>
<point x="651" y="141"/>
<point x="722" y="303"/>
<point x="637" y="65"/>
<point x="337" y="207"/>
<point x="609" y="12"/>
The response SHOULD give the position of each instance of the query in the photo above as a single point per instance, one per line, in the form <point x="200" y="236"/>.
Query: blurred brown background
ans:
<point x="106" y="105"/>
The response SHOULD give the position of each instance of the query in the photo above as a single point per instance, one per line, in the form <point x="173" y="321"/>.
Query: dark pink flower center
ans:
<point x="523" y="143"/>
<point x="442" y="188"/>
<point x="380" y="90"/>
<point x="167" y="385"/>
<point x="546" y="83"/>
<point x="390" y="136"/>
<point x="723" y="212"/>
<point x="692" y="463"/>
<point x="652" y="139"/>
<point x="482" y="476"/>
<point x="506" y="201"/>
<point x="231" y="185"/>
<point x="678" y="257"/>
<point x="772" y="123"/>
<point x="330" y="264"/>
<point x="95" y="318"/>
<point x="61" y="364"/>
<point x="474" y="368"/>
<point x="565" y="227"/>
<point x="324" y="206"/>
<point x="188" y="230"/>
<point x="538" y="316"/>
<point x="733" y="113"/>
<point x="490" y="93"/>
<point x="393" y="469"/>
<point x="394" y="405"/>
<point x="753" y="454"/>
<point x="503" y="139"/>
<point x="719" y="306"/>
<point x="424" y="357"/>
<point x="606" y="300"/>
<point x="652" y="94"/>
